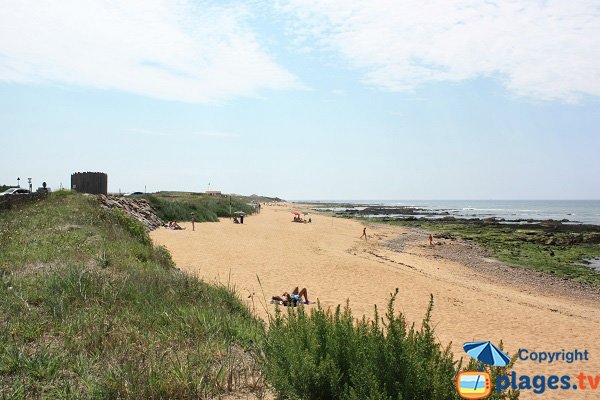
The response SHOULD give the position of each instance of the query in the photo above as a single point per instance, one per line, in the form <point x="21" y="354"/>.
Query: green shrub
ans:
<point x="330" y="355"/>
<point x="206" y="208"/>
<point x="135" y="228"/>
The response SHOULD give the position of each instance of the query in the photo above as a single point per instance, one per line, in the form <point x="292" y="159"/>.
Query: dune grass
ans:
<point x="178" y="207"/>
<point x="90" y="309"/>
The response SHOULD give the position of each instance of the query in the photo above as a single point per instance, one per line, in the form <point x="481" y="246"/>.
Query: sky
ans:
<point x="305" y="99"/>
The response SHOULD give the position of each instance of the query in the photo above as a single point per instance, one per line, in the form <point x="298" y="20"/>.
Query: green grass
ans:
<point x="90" y="309"/>
<point x="330" y="355"/>
<point x="179" y="206"/>
<point x="528" y="246"/>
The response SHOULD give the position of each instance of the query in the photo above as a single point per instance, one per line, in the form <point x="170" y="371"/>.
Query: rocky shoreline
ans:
<point x="410" y="213"/>
<point x="481" y="260"/>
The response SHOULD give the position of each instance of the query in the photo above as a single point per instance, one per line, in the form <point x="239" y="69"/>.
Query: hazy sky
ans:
<point x="305" y="99"/>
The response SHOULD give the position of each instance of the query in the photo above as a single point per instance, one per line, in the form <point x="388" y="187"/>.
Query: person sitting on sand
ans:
<point x="235" y="220"/>
<point x="175" y="226"/>
<point x="294" y="298"/>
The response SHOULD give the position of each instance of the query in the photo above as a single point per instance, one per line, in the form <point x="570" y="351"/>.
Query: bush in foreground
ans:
<point x="330" y="355"/>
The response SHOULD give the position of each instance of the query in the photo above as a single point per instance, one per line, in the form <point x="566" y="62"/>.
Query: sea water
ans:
<point x="578" y="211"/>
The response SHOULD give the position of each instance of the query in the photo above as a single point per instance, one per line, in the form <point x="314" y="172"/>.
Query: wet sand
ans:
<point x="328" y="258"/>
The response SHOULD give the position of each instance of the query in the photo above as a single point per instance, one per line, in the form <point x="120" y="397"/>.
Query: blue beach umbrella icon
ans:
<point x="487" y="353"/>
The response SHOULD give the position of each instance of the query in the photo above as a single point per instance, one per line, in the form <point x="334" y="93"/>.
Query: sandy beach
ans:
<point x="328" y="258"/>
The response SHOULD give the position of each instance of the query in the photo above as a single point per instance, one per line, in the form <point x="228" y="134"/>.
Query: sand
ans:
<point x="328" y="258"/>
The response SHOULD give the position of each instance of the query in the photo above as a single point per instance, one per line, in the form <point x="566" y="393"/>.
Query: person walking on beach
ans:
<point x="364" y="233"/>
<point x="430" y="240"/>
<point x="193" y="220"/>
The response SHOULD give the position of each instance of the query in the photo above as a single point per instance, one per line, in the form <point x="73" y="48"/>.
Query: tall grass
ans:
<point x="206" y="208"/>
<point x="90" y="309"/>
<point x="330" y="355"/>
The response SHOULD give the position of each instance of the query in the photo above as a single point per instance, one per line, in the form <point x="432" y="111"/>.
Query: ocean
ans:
<point x="576" y="211"/>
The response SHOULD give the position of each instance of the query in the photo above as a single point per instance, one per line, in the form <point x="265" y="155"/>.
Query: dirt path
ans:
<point x="329" y="259"/>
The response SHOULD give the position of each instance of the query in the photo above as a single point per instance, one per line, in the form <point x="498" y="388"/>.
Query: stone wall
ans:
<point x="7" y="202"/>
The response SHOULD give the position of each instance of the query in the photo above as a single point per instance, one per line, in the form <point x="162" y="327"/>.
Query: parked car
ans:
<point x="14" y="191"/>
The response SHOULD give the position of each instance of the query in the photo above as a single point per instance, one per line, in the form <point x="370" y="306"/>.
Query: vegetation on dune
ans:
<point x="172" y="207"/>
<point x="526" y="246"/>
<point x="90" y="309"/>
<point x="330" y="355"/>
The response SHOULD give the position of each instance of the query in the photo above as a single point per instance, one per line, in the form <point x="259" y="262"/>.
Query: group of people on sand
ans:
<point x="298" y="218"/>
<point x="173" y="225"/>
<point x="238" y="221"/>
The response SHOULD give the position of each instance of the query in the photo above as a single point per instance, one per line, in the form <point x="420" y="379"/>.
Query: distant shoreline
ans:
<point x="560" y="249"/>
<point x="586" y="212"/>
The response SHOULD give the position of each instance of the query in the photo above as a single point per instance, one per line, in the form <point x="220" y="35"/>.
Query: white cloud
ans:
<point x="539" y="49"/>
<point x="186" y="51"/>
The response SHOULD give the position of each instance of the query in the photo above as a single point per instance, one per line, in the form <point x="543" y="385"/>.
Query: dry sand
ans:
<point x="329" y="259"/>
